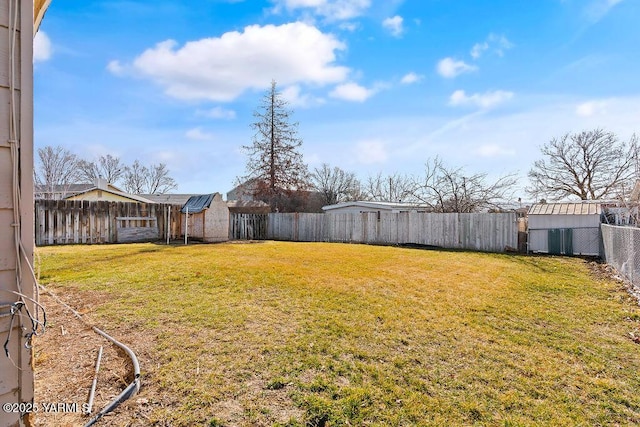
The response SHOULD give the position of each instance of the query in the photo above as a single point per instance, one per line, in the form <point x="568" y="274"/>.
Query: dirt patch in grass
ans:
<point x="65" y="359"/>
<point x="603" y="271"/>
<point x="65" y="365"/>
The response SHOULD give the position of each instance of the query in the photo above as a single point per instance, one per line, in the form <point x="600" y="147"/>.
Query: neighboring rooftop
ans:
<point x="248" y="206"/>
<point x="391" y="206"/>
<point x="171" y="199"/>
<point x="134" y="197"/>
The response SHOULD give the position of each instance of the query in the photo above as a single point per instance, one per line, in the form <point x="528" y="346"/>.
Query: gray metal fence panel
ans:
<point x="622" y="250"/>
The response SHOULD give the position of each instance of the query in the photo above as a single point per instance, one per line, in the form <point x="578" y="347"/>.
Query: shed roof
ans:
<point x="566" y="209"/>
<point x="197" y="204"/>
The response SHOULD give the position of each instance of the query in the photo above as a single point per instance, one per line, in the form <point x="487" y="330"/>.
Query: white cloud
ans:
<point x="352" y="92"/>
<point x="197" y="134"/>
<point x="220" y="69"/>
<point x="42" y="49"/>
<point x="369" y="152"/>
<point x="485" y="100"/>
<point x="218" y="113"/>
<point x="494" y="150"/>
<point x="334" y="10"/>
<point x="294" y="96"/>
<point x="116" y="68"/>
<point x="410" y="78"/>
<point x="591" y="108"/>
<point x="499" y="43"/>
<point x="349" y="26"/>
<point x="496" y="43"/>
<point x="450" y="68"/>
<point x="394" y="25"/>
<point x="478" y="49"/>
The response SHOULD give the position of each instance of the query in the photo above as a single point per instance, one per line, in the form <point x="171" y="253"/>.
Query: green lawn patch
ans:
<point x="322" y="334"/>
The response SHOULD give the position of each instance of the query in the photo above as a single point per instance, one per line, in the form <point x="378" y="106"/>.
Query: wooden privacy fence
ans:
<point x="489" y="232"/>
<point x="60" y="222"/>
<point x="248" y="226"/>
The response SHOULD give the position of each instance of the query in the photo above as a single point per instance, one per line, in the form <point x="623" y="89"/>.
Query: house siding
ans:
<point x="16" y="383"/>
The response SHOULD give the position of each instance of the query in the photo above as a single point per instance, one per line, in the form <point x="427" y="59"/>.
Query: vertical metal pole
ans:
<point x="168" y="226"/>
<point x="186" y="225"/>
<point x="95" y="382"/>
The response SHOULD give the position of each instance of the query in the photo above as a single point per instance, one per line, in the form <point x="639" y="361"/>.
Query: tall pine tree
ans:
<point x="275" y="167"/>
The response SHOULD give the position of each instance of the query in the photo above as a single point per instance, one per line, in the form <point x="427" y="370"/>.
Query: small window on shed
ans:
<point x="99" y="194"/>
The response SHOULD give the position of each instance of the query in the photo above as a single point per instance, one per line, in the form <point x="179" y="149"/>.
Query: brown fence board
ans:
<point x="60" y="222"/>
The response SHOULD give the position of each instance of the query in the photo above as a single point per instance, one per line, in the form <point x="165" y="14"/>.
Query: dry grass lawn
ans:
<point x="320" y="334"/>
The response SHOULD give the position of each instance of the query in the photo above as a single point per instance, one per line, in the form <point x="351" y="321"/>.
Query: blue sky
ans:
<point x="376" y="86"/>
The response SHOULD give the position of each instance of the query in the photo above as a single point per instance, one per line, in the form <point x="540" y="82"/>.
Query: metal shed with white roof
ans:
<point x="365" y="206"/>
<point x="565" y="228"/>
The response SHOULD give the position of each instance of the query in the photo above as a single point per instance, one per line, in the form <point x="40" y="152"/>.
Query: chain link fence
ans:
<point x="565" y="241"/>
<point x="622" y="251"/>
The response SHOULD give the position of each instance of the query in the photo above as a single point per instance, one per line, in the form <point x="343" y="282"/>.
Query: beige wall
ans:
<point x="16" y="385"/>
<point x="216" y="221"/>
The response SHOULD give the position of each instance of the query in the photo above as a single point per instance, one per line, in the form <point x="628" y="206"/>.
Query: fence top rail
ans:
<point x="626" y="227"/>
<point x="136" y="218"/>
<point x="555" y="228"/>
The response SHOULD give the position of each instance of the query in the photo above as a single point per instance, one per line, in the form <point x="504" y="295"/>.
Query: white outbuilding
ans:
<point x="565" y="228"/>
<point x="362" y="206"/>
<point x="207" y="218"/>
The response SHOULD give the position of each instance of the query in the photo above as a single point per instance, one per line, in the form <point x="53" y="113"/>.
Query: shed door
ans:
<point x="555" y="241"/>
<point x="567" y="241"/>
<point x="561" y="241"/>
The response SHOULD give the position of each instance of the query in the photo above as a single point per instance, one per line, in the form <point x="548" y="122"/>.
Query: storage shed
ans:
<point x="565" y="228"/>
<point x="208" y="218"/>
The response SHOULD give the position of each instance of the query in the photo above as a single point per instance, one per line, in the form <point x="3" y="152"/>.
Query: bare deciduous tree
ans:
<point x="335" y="184"/>
<point x="588" y="165"/>
<point x="107" y="167"/>
<point x="57" y="169"/>
<point x="390" y="188"/>
<point x="275" y="162"/>
<point x="158" y="179"/>
<point x="135" y="178"/>
<point x="139" y="179"/>
<point x="446" y="189"/>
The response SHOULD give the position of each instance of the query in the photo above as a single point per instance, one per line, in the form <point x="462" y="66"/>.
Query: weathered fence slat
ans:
<point x="248" y="226"/>
<point x="61" y="222"/>
<point x="477" y="231"/>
